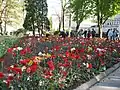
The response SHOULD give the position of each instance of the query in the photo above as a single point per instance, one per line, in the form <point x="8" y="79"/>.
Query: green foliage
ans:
<point x="103" y="9"/>
<point x="2" y="50"/>
<point x="3" y="86"/>
<point x="5" y="44"/>
<point x="20" y="30"/>
<point x="36" y="15"/>
<point x="56" y="33"/>
<point x="81" y="10"/>
<point x="50" y="23"/>
<point x="11" y="12"/>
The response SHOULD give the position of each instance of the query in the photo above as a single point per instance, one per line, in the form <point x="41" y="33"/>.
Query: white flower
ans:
<point x="23" y="68"/>
<point x="40" y="83"/>
<point x="19" y="48"/>
<point x="100" y="50"/>
<point x="12" y="66"/>
<point x="14" y="49"/>
<point x="89" y="57"/>
<point x="72" y="49"/>
<point x="87" y="65"/>
<point x="11" y="74"/>
<point x="38" y="39"/>
<point x="84" y="63"/>
<point x="40" y="53"/>
<point x="28" y="78"/>
<point x="115" y="50"/>
<point x="4" y="81"/>
<point x="43" y="54"/>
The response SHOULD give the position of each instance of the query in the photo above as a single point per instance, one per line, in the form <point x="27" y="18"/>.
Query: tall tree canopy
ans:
<point x="81" y="10"/>
<point x="64" y="4"/>
<point x="104" y="9"/>
<point x="36" y="15"/>
<point x="10" y="13"/>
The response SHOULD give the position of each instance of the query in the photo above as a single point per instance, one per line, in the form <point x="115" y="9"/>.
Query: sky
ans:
<point x="53" y="7"/>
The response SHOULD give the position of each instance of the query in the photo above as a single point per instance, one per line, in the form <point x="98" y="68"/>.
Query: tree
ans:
<point x="59" y="18"/>
<point x="103" y="10"/>
<point x="64" y="4"/>
<point x="50" y="19"/>
<point x="81" y="10"/>
<point x="10" y="13"/>
<point x="36" y="15"/>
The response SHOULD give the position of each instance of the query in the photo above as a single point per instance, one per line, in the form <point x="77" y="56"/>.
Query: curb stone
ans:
<point x="98" y="78"/>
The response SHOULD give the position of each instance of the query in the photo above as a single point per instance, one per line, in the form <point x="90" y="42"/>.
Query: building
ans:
<point x="111" y="23"/>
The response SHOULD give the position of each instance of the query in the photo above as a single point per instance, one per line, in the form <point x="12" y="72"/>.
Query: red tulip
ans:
<point x="23" y="52"/>
<point x="24" y="62"/>
<point x="28" y="70"/>
<point x="51" y="65"/>
<point x="28" y="50"/>
<point x="10" y="50"/>
<point x="89" y="66"/>
<point x="15" y="69"/>
<point x="33" y="68"/>
<point x="1" y="75"/>
<point x="10" y="78"/>
<point x="78" y="65"/>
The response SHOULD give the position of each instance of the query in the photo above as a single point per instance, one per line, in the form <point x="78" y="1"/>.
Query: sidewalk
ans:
<point x="111" y="82"/>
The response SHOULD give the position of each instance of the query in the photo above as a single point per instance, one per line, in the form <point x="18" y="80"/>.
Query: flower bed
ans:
<point x="56" y="63"/>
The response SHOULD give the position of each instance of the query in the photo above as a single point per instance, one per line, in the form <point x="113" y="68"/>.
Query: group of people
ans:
<point x="88" y="34"/>
<point x="112" y="34"/>
<point x="84" y="33"/>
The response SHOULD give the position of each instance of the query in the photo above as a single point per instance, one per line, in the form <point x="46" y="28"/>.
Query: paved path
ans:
<point x="111" y="82"/>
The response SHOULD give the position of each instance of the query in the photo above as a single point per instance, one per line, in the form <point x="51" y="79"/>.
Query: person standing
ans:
<point x="114" y="34"/>
<point x="107" y="34"/>
<point x="89" y="33"/>
<point x="117" y="35"/>
<point x="85" y="34"/>
<point x="80" y="33"/>
<point x="110" y="35"/>
<point x="93" y="33"/>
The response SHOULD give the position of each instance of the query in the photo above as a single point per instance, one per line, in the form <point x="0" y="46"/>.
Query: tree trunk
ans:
<point x="99" y="19"/>
<point x="39" y="31"/>
<point x="5" y="28"/>
<point x="77" y="22"/>
<point x="100" y="30"/>
<point x="42" y="29"/>
<point x="69" y="24"/>
<point x="63" y="20"/>
<point x="70" y="21"/>
<point x="33" y="32"/>
<point x="77" y="26"/>
<point x="59" y="25"/>
<point x="1" y="30"/>
<point x="38" y="27"/>
<point x="33" y="29"/>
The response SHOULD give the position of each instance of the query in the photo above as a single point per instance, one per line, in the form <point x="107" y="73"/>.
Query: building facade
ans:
<point x="112" y="23"/>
